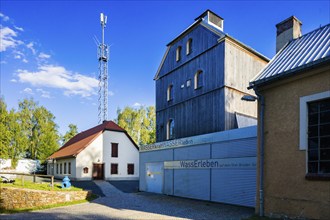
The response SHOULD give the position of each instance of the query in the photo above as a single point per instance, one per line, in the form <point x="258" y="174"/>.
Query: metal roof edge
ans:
<point x="268" y="64"/>
<point x="290" y="72"/>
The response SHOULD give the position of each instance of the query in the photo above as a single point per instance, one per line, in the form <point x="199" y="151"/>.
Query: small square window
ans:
<point x="114" y="168"/>
<point x="85" y="170"/>
<point x="130" y="169"/>
<point x="188" y="82"/>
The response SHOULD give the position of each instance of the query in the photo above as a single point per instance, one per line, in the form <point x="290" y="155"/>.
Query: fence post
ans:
<point x="52" y="182"/>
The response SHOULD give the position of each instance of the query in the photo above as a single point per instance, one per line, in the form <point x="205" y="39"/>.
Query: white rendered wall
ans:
<point x="86" y="158"/>
<point x="57" y="174"/>
<point x="127" y="154"/>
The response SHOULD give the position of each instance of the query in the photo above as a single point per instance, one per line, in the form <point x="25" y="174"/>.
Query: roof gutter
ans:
<point x="290" y="72"/>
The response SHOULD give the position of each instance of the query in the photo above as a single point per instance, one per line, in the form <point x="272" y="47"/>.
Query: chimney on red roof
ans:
<point x="287" y="30"/>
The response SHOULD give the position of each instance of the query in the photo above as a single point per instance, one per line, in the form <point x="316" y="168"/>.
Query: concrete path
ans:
<point x="119" y="205"/>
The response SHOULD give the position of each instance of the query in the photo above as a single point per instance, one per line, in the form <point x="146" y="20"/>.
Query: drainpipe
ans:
<point x="261" y="99"/>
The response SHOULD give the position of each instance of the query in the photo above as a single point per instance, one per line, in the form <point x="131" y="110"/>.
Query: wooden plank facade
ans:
<point x="226" y="66"/>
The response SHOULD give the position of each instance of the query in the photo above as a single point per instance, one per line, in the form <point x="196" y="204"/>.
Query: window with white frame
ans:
<point x="178" y="53"/>
<point x="169" y="92"/>
<point x="188" y="46"/>
<point x="198" y="79"/>
<point x="315" y="132"/>
<point x="170" y="129"/>
<point x="319" y="136"/>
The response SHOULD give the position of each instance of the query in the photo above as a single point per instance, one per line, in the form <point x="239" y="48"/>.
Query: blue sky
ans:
<point x="48" y="51"/>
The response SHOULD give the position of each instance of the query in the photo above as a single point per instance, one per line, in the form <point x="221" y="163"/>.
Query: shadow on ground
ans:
<point x="88" y="185"/>
<point x="126" y="186"/>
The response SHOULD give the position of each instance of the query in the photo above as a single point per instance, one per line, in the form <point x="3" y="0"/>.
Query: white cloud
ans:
<point x="28" y="91"/>
<point x="31" y="47"/>
<point x="59" y="78"/>
<point x="44" y="94"/>
<point x="111" y="93"/>
<point x="7" y="38"/>
<point x="13" y="80"/>
<point x="18" y="28"/>
<point x="4" y="17"/>
<point x="17" y="57"/>
<point x="25" y="60"/>
<point x="136" y="104"/>
<point x="44" y="56"/>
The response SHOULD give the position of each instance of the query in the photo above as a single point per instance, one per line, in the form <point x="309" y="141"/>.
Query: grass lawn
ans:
<point x="92" y="197"/>
<point x="38" y="186"/>
<point x="43" y="186"/>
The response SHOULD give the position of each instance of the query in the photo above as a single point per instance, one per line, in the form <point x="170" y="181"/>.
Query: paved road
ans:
<point x="120" y="205"/>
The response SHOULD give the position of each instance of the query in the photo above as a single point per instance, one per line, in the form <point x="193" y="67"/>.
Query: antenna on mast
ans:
<point x="103" y="54"/>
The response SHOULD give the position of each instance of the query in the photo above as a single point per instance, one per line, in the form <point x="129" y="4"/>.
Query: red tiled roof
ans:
<point x="79" y="142"/>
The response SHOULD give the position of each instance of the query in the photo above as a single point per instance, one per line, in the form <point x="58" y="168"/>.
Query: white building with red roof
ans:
<point x="105" y="151"/>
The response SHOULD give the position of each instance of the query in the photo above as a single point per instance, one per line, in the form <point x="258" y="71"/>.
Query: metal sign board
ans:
<point x="227" y="163"/>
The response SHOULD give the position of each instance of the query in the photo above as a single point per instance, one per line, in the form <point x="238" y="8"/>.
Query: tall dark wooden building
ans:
<point x="201" y="79"/>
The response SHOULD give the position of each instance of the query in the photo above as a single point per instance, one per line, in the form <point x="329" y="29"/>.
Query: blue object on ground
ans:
<point x="66" y="182"/>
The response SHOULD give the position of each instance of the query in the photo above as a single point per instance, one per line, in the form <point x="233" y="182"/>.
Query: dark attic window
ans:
<point x="188" y="46"/>
<point x="178" y="53"/>
<point x="85" y="169"/>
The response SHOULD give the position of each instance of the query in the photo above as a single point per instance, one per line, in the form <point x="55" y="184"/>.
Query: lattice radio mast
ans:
<point x="103" y="54"/>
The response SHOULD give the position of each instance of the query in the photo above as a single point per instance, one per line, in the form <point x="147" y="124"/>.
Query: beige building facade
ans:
<point x="287" y="189"/>
<point x="294" y="128"/>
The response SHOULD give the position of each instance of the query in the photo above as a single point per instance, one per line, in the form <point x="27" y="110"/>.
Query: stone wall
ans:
<point x="16" y="198"/>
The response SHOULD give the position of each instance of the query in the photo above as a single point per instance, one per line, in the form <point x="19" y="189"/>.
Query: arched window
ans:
<point x="198" y="79"/>
<point x="178" y="53"/>
<point x="85" y="169"/>
<point x="169" y="92"/>
<point x="170" y="129"/>
<point x="188" y="46"/>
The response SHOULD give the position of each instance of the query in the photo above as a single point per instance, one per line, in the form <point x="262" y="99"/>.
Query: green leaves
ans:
<point x="73" y="130"/>
<point x="29" y="132"/>
<point x="139" y="123"/>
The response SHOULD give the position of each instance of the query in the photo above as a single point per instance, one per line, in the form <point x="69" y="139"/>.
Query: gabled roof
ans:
<point x="308" y="50"/>
<point x="79" y="142"/>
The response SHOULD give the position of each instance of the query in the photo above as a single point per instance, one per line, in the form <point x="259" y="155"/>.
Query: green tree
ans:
<point x="5" y="132"/>
<point x="11" y="139"/>
<point x="39" y="129"/>
<point x="73" y="130"/>
<point x="139" y="123"/>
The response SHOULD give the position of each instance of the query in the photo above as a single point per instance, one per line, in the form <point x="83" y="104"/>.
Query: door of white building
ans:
<point x="154" y="177"/>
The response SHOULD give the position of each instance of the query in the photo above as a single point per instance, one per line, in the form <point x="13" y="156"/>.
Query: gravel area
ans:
<point x="119" y="205"/>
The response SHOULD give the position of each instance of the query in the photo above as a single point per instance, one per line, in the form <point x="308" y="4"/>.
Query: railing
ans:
<point x="33" y="175"/>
